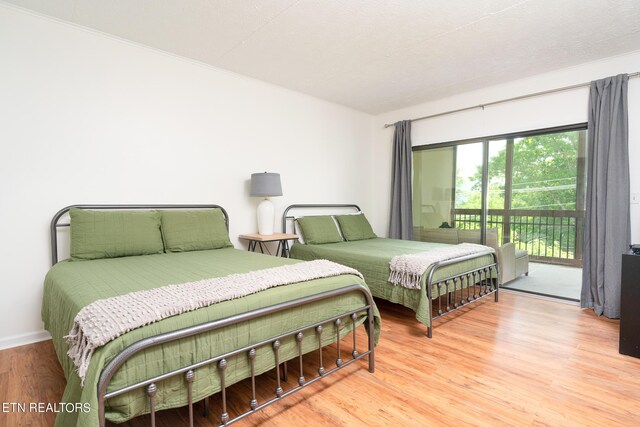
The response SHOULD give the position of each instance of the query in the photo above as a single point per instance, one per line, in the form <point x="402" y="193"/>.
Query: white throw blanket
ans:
<point x="106" y="319"/>
<point x="406" y="270"/>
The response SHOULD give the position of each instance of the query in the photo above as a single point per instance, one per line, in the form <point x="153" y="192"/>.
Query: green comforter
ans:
<point x="372" y="256"/>
<point x="69" y="286"/>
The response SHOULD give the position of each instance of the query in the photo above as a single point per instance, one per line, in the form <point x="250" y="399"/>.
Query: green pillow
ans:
<point x="319" y="229"/>
<point x="355" y="227"/>
<point x="195" y="230"/>
<point x="111" y="234"/>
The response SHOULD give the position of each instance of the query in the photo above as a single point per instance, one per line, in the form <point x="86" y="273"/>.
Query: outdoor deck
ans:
<point x="548" y="279"/>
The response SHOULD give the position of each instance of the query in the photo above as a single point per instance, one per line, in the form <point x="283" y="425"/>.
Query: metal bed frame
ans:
<point x="483" y="279"/>
<point x="273" y="343"/>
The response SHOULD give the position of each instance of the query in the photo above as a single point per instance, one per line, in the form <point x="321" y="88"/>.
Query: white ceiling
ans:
<point x="371" y="55"/>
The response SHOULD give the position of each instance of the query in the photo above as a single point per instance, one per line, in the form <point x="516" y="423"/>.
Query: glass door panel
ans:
<point x="547" y="202"/>
<point x="499" y="187"/>
<point x="433" y="189"/>
<point x="468" y="192"/>
<point x="447" y="189"/>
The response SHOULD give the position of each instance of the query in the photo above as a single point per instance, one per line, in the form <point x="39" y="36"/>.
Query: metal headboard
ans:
<point x="286" y="217"/>
<point x="55" y="225"/>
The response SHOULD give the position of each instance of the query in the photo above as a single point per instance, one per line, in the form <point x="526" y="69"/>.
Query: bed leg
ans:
<point x="284" y="371"/>
<point x="189" y="377"/>
<point x="205" y="411"/>
<point x="102" y="422"/>
<point x="429" y="285"/>
<point x="151" y="392"/>
<point x="372" y="344"/>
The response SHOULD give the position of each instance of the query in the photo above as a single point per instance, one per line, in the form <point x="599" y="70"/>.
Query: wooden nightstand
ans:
<point x="257" y="240"/>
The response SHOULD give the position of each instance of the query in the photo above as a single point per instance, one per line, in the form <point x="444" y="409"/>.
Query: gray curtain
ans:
<point x="401" y="224"/>
<point x="607" y="223"/>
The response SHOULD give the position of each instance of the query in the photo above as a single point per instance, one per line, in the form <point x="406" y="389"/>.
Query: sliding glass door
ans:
<point x="526" y="188"/>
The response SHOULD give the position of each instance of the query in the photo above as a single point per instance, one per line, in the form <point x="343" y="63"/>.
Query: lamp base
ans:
<point x="266" y="217"/>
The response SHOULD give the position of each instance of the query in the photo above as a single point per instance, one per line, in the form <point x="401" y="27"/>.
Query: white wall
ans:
<point x="86" y="118"/>
<point x="533" y="113"/>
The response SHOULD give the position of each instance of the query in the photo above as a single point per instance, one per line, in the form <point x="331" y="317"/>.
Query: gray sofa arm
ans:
<point x="507" y="262"/>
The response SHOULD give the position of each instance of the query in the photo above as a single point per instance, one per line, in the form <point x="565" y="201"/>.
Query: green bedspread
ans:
<point x="372" y="256"/>
<point x="69" y="286"/>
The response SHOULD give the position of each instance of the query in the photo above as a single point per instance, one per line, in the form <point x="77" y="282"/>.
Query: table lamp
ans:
<point x="266" y="184"/>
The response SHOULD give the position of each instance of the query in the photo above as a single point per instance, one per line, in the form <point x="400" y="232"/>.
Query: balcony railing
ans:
<point x="552" y="236"/>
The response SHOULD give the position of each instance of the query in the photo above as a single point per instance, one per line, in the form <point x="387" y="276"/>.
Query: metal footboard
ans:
<point x="311" y="331"/>
<point x="484" y="281"/>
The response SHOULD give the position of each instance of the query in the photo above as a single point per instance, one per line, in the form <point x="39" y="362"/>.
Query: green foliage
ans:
<point x="544" y="175"/>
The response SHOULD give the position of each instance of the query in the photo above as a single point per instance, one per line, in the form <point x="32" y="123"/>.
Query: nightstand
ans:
<point x="258" y="240"/>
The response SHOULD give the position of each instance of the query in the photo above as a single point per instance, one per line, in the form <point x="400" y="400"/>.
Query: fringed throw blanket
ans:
<point x="406" y="270"/>
<point x="106" y="319"/>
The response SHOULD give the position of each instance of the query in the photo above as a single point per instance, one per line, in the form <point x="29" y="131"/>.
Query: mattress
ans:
<point x="71" y="285"/>
<point x="372" y="256"/>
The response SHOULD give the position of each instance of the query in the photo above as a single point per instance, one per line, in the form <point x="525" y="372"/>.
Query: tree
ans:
<point x="544" y="175"/>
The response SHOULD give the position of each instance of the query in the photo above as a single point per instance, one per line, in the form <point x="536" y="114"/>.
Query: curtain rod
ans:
<point x="515" y="98"/>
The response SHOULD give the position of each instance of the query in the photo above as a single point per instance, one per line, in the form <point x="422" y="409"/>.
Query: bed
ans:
<point x="186" y="358"/>
<point x="444" y="288"/>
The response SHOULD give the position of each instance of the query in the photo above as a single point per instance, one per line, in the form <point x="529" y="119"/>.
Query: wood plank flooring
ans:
<point x="521" y="362"/>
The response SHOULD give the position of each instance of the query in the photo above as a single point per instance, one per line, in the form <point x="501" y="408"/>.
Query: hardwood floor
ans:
<point x="523" y="361"/>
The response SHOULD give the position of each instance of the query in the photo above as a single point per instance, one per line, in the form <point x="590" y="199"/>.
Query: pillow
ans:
<point x="355" y="227"/>
<point x="194" y="230"/>
<point x="298" y="231"/>
<point x="111" y="234"/>
<point x="319" y="229"/>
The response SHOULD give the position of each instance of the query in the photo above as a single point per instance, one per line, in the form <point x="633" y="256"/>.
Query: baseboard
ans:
<point x="24" y="339"/>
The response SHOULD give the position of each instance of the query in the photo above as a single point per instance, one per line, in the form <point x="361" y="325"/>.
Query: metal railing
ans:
<point x="552" y="236"/>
